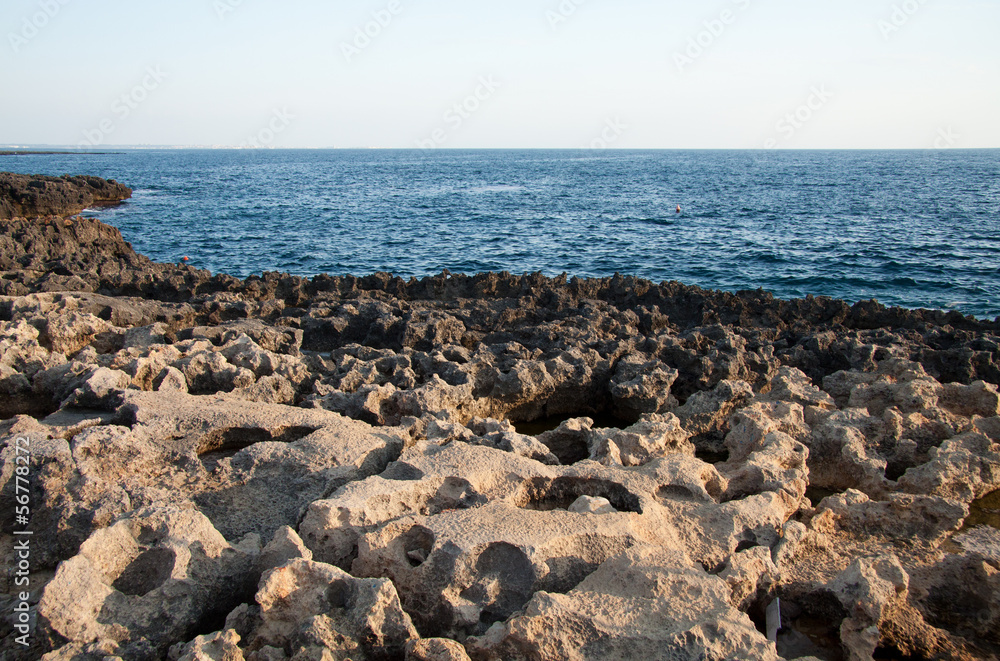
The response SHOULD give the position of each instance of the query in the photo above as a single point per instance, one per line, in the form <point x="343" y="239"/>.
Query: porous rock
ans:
<point x="146" y="582"/>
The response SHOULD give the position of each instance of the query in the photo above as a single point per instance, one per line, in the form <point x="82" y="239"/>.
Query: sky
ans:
<point x="631" y="74"/>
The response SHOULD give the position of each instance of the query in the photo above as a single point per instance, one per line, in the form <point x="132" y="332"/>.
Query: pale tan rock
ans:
<point x="501" y="435"/>
<point x="964" y="468"/>
<point x="308" y="607"/>
<point x="61" y="500"/>
<point x="589" y="505"/>
<point x="144" y="337"/>
<point x="708" y="412"/>
<point x="99" y="389"/>
<point x="791" y="385"/>
<point x="640" y="386"/>
<point x="978" y="398"/>
<point x="570" y="442"/>
<point x="461" y="372"/>
<point x="271" y="389"/>
<point x="248" y="467"/>
<point x="840" y="384"/>
<point x="653" y="436"/>
<point x="209" y="372"/>
<point x="145" y="581"/>
<point x="869" y="589"/>
<point x="763" y="456"/>
<point x="244" y="352"/>
<point x="751" y="575"/>
<point x="983" y="540"/>
<point x="902" y="516"/>
<point x="648" y="603"/>
<point x="284" y="546"/>
<point x="427" y="479"/>
<point x="220" y="646"/>
<point x="841" y="456"/>
<point x="71" y="331"/>
<point x="171" y="380"/>
<point x="105" y="651"/>
<point x="465" y="569"/>
<point x="435" y="649"/>
<point x="21" y="350"/>
<point x="713" y="532"/>
<point x="685" y="478"/>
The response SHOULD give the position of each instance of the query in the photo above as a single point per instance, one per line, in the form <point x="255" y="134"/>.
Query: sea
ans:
<point x="907" y="228"/>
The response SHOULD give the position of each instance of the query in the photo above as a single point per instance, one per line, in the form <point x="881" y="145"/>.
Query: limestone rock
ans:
<point x="641" y="386"/>
<point x="902" y="516"/>
<point x="963" y="468"/>
<point x="653" y="436"/>
<point x="759" y="485"/>
<point x="435" y="649"/>
<point x="315" y="611"/>
<point x="647" y="603"/>
<point x="284" y="546"/>
<point x="463" y="570"/>
<point x="146" y="581"/>
<point x="842" y="457"/>
<point x="589" y="505"/>
<point x="706" y="413"/>
<point x="220" y="646"/>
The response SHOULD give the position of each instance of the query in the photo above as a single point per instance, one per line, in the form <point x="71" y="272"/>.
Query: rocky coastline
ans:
<point x="38" y="195"/>
<point x="488" y="467"/>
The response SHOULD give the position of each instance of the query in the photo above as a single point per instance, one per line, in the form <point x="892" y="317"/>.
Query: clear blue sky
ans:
<point x="524" y="73"/>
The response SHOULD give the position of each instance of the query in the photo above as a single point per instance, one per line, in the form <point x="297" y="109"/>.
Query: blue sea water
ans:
<point x="908" y="228"/>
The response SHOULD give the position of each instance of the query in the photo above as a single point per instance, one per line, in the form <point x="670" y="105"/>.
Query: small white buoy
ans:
<point x="678" y="208"/>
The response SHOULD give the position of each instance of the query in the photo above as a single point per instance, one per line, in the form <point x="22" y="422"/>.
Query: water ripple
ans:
<point x="908" y="228"/>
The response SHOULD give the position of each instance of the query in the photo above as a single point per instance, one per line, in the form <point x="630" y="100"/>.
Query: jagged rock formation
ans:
<point x="346" y="468"/>
<point x="30" y="196"/>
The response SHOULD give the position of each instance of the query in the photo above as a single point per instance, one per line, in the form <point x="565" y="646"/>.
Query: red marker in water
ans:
<point x="678" y="208"/>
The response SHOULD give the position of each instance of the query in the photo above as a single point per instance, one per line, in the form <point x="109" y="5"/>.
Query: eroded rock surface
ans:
<point x="486" y="467"/>
<point x="30" y="196"/>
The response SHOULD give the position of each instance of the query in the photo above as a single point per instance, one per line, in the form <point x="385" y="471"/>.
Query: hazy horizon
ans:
<point x="563" y="74"/>
<point x="111" y="147"/>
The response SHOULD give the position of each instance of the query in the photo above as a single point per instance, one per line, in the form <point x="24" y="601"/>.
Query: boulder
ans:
<point x="311" y="610"/>
<point x="647" y="602"/>
<point x="146" y="582"/>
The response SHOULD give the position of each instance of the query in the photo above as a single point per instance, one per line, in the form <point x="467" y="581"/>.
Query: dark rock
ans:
<point x="29" y="196"/>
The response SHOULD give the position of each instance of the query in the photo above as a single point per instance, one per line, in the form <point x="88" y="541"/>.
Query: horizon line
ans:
<point x="69" y="149"/>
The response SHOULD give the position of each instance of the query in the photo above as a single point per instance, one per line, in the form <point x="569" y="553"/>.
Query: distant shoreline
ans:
<point x="54" y="153"/>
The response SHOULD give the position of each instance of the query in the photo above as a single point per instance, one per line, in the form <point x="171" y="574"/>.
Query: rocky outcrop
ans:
<point x="486" y="467"/>
<point x="30" y="196"/>
<point x="144" y="583"/>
